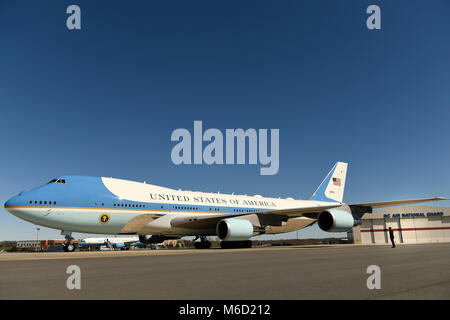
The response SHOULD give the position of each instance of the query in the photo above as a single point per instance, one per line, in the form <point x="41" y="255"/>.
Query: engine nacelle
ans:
<point x="335" y="220"/>
<point x="234" y="229"/>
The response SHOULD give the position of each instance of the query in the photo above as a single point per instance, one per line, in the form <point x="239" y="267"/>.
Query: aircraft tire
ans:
<point x="202" y="245"/>
<point x="235" y="244"/>
<point x="70" y="247"/>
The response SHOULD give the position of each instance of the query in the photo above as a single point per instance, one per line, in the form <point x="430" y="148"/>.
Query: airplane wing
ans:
<point x="312" y="212"/>
<point x="383" y="204"/>
<point x="210" y="221"/>
<point x="138" y="222"/>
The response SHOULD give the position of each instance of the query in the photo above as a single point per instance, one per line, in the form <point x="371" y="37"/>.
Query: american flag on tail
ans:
<point x="337" y="181"/>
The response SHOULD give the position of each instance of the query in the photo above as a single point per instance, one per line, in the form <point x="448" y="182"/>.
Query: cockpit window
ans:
<point x="57" y="181"/>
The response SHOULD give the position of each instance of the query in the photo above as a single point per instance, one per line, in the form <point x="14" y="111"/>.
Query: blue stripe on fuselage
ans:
<point x="78" y="191"/>
<point x="91" y="193"/>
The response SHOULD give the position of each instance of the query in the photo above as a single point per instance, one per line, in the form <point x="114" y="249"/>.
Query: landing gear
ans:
<point x="68" y="245"/>
<point x="235" y="244"/>
<point x="203" y="244"/>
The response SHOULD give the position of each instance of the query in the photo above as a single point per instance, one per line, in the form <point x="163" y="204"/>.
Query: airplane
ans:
<point x="103" y="205"/>
<point x="122" y="243"/>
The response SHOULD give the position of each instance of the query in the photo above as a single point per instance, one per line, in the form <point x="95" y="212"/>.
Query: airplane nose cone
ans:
<point x="9" y="203"/>
<point x="12" y="204"/>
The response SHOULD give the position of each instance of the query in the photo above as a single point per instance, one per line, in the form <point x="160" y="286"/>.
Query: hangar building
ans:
<point x="414" y="224"/>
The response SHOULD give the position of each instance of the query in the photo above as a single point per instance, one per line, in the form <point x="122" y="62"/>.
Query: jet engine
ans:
<point x="234" y="229"/>
<point x="335" y="220"/>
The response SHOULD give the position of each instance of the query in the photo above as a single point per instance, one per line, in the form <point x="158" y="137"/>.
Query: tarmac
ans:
<point x="288" y="273"/>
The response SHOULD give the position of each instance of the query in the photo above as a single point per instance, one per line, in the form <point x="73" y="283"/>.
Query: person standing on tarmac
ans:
<point x="391" y="235"/>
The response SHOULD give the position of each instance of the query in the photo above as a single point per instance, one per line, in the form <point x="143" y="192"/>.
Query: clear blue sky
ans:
<point x="104" y="100"/>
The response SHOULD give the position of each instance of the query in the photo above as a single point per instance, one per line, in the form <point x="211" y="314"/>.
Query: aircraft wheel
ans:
<point x="235" y="244"/>
<point x="225" y="244"/>
<point x="69" y="247"/>
<point x="202" y="245"/>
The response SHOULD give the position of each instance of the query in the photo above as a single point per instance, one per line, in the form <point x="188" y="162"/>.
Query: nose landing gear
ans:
<point x="68" y="245"/>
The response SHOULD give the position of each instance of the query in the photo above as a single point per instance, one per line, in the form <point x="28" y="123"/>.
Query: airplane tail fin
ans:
<point x="332" y="187"/>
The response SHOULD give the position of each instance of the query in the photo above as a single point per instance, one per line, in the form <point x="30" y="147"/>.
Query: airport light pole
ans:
<point x="37" y="237"/>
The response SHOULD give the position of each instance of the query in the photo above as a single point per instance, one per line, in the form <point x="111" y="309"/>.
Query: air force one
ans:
<point x="113" y="206"/>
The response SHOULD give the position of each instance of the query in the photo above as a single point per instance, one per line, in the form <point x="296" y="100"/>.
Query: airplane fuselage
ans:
<point x="109" y="206"/>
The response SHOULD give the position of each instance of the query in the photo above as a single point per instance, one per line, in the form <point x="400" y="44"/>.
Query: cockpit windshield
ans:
<point x="57" y="181"/>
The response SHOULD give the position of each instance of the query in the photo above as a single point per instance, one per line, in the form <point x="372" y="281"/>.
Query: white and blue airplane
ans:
<point x="122" y="243"/>
<point x="113" y="206"/>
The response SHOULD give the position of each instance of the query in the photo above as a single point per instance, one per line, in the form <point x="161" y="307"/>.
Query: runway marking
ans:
<point x="136" y="253"/>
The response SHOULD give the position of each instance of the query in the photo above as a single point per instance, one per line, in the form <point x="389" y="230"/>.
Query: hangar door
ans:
<point x="379" y="231"/>
<point x="396" y="227"/>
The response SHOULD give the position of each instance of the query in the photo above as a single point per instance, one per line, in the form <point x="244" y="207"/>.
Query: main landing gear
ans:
<point x="235" y="244"/>
<point x="203" y="244"/>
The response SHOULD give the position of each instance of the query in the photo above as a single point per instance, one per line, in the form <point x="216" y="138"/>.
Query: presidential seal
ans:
<point x="104" y="218"/>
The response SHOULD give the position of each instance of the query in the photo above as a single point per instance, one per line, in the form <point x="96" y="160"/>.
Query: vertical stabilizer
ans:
<point x="332" y="187"/>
